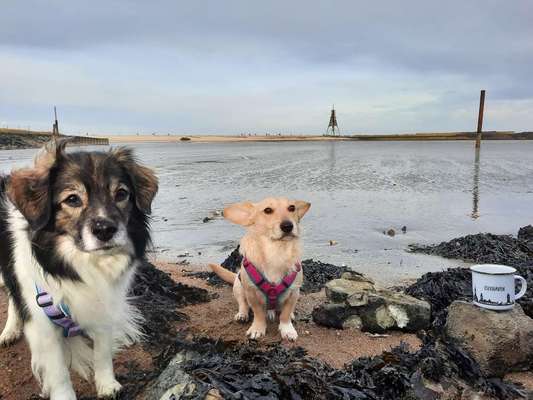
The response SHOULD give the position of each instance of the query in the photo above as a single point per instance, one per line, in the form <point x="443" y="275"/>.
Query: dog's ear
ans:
<point x="143" y="179"/>
<point x="301" y="208"/>
<point x="29" y="188"/>
<point x="240" y="213"/>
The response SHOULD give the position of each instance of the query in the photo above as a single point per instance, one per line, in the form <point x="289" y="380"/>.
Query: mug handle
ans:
<point x="524" y="287"/>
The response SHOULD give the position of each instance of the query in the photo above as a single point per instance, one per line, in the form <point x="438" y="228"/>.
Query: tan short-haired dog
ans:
<point x="271" y="274"/>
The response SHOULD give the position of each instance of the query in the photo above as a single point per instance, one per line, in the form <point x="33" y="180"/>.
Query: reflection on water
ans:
<point x="331" y="165"/>
<point x="475" y="189"/>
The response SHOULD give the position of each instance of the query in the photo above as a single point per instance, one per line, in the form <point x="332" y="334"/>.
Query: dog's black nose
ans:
<point x="103" y="229"/>
<point x="286" y="226"/>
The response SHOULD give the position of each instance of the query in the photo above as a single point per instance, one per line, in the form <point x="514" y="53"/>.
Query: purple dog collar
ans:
<point x="59" y="315"/>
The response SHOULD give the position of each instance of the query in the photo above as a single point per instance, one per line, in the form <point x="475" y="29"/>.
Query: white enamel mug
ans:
<point x="494" y="286"/>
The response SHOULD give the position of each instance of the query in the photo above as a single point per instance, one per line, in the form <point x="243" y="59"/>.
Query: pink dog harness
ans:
<point x="271" y="291"/>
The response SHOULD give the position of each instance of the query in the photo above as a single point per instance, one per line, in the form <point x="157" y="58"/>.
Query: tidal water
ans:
<point x="437" y="190"/>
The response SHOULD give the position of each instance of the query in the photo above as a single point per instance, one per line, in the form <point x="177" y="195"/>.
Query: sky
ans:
<point x="231" y="67"/>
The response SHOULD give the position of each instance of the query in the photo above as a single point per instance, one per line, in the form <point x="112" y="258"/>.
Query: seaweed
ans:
<point x="249" y="372"/>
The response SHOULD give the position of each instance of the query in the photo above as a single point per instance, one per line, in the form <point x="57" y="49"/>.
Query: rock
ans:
<point x="356" y="276"/>
<point x="357" y="299"/>
<point x="356" y="303"/>
<point x="206" y="219"/>
<point x="404" y="229"/>
<point x="331" y="315"/>
<point x="339" y="290"/>
<point x="392" y="310"/>
<point x="352" y="322"/>
<point x="174" y="382"/>
<point x="500" y="342"/>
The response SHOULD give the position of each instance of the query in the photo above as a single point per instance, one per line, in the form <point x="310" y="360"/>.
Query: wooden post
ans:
<point x="55" y="129"/>
<point x="480" y="118"/>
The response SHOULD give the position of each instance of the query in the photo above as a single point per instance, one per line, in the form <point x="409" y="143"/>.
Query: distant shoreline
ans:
<point x="311" y="138"/>
<point x="21" y="139"/>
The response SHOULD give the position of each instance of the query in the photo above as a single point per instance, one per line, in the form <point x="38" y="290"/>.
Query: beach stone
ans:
<point x="338" y="290"/>
<point x="355" y="303"/>
<point x="356" y="276"/>
<point x="332" y="315"/>
<point x="357" y="299"/>
<point x="174" y="382"/>
<point x="352" y="322"/>
<point x="500" y="341"/>
<point x="386" y="309"/>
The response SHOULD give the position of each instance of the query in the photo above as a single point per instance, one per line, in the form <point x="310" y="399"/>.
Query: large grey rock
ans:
<point x="393" y="310"/>
<point x="354" y="302"/>
<point x="174" y="382"/>
<point x="338" y="290"/>
<point x="500" y="341"/>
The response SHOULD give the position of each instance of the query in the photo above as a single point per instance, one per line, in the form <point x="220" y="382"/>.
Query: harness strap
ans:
<point x="59" y="314"/>
<point x="271" y="291"/>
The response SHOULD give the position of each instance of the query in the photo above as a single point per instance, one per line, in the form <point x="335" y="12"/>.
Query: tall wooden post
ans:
<point x="480" y="118"/>
<point x="55" y="130"/>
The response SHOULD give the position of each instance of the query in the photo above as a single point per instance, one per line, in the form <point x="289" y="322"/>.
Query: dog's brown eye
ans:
<point x="121" y="195"/>
<point x="268" y="210"/>
<point x="73" y="201"/>
<point x="292" y="208"/>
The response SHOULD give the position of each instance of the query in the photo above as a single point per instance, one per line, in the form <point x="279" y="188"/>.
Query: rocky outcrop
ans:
<point x="354" y="302"/>
<point x="500" y="341"/>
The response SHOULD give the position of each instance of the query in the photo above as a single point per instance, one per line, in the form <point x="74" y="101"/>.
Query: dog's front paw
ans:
<point x="241" y="317"/>
<point x="9" y="337"/>
<point x="109" y="389"/>
<point x="60" y="393"/>
<point x="288" y="332"/>
<point x="256" y="331"/>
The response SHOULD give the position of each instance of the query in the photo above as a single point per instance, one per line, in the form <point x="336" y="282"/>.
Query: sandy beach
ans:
<point x="216" y="139"/>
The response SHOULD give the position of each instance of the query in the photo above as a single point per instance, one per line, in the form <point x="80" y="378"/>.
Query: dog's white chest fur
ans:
<point x="98" y="303"/>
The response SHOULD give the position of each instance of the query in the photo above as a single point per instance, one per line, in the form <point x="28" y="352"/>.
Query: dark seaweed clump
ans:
<point x="316" y="273"/>
<point x="483" y="248"/>
<point x="280" y="373"/>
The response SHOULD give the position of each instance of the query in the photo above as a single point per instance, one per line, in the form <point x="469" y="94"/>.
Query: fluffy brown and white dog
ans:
<point x="76" y="226"/>
<point x="271" y="250"/>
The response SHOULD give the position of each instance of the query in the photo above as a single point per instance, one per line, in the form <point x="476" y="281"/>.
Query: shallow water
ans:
<point x="357" y="190"/>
